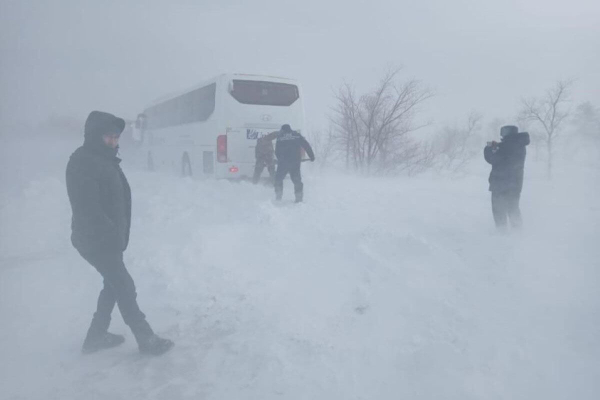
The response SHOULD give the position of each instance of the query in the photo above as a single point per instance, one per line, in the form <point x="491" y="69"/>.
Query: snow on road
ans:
<point x="380" y="288"/>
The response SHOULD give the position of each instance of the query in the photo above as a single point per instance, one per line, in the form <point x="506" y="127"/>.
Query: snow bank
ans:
<point x="372" y="289"/>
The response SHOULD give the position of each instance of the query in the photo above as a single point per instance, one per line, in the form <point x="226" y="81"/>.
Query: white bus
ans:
<point x="211" y="129"/>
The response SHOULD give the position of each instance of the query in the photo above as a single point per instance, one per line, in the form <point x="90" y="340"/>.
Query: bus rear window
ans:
<point x="264" y="93"/>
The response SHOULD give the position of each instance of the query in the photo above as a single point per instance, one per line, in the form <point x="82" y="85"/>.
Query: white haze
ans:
<point x="68" y="57"/>
<point x="376" y="287"/>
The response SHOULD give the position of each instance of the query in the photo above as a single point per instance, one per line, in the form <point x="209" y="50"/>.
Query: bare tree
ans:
<point x="323" y="145"/>
<point x="549" y="112"/>
<point x="586" y="122"/>
<point x="455" y="146"/>
<point x="372" y="130"/>
<point x="585" y="126"/>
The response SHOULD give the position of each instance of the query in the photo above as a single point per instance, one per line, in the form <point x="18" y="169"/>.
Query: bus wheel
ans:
<point x="150" y="164"/>
<point x="186" y="165"/>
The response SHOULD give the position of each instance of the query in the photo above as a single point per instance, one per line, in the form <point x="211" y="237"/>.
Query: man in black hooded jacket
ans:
<point x="288" y="150"/>
<point x="506" y="179"/>
<point x="101" y="202"/>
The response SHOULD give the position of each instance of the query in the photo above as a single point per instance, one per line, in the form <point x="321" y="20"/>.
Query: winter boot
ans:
<point x="299" y="197"/>
<point x="103" y="341"/>
<point x="278" y="195"/>
<point x="155" y="345"/>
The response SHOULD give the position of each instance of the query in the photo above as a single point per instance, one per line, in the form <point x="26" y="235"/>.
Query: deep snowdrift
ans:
<point x="373" y="289"/>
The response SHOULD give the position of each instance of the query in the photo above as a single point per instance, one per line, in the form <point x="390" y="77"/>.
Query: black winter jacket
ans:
<point x="288" y="148"/>
<point x="508" y="161"/>
<point x="99" y="193"/>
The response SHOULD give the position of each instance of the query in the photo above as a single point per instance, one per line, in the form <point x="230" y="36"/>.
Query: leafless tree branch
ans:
<point x="549" y="112"/>
<point x="372" y="129"/>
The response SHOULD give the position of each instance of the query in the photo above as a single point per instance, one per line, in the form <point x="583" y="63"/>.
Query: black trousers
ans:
<point x="260" y="166"/>
<point x="294" y="170"/>
<point x="118" y="289"/>
<point x="505" y="207"/>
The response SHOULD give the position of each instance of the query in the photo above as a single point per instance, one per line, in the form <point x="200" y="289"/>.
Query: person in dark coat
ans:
<point x="288" y="150"/>
<point x="265" y="156"/>
<point x="506" y="178"/>
<point x="100" y="199"/>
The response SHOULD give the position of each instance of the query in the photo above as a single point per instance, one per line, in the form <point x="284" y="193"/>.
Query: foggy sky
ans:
<point x="70" y="57"/>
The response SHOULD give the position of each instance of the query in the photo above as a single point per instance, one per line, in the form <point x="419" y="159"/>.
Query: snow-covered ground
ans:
<point x="387" y="288"/>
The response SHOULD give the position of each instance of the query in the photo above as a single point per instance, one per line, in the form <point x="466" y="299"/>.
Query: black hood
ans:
<point x="521" y="138"/>
<point x="99" y="123"/>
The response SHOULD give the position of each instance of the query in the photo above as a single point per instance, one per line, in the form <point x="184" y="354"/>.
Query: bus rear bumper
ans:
<point x="232" y="170"/>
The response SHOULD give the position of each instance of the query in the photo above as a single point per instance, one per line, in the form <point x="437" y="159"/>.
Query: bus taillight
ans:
<point x="222" y="148"/>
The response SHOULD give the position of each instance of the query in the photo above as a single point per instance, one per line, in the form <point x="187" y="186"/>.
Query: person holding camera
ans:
<point x="507" y="158"/>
